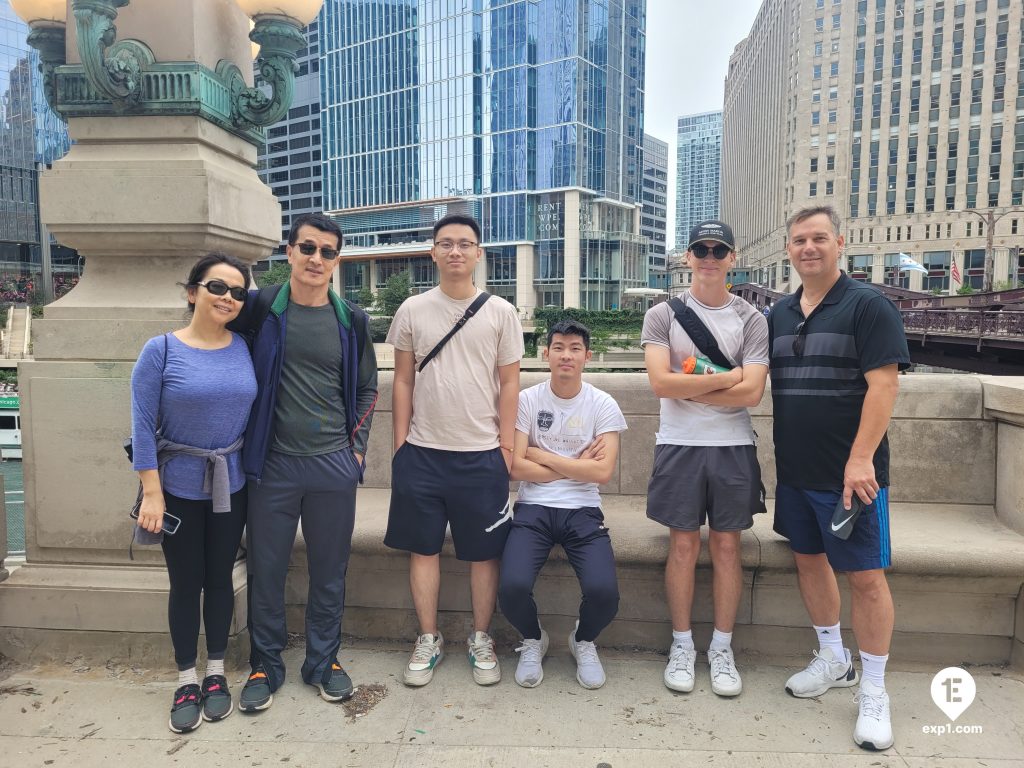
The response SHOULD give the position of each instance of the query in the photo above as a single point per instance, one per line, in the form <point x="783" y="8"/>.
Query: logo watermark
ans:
<point x="953" y="691"/>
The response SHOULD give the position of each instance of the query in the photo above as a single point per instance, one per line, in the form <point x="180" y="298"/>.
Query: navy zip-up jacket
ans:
<point x="358" y="374"/>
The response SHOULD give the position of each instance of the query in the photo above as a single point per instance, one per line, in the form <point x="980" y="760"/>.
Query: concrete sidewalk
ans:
<point x="77" y="716"/>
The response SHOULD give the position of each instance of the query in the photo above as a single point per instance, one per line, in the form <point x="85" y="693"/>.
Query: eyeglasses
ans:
<point x="801" y="338"/>
<point x="219" y="288"/>
<point x="308" y="249"/>
<point x="447" y="246"/>
<point x="720" y="251"/>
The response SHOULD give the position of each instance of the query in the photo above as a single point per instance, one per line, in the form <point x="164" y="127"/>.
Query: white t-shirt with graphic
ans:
<point x="565" y="427"/>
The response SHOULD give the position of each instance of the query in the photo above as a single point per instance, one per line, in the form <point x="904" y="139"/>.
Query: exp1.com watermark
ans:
<point x="953" y="691"/>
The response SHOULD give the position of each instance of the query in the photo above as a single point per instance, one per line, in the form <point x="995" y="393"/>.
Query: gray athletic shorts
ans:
<point x="692" y="484"/>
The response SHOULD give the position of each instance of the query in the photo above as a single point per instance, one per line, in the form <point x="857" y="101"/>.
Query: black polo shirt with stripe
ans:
<point x="818" y="396"/>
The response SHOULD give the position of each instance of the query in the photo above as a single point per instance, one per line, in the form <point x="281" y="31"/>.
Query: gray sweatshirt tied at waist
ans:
<point x="215" y="482"/>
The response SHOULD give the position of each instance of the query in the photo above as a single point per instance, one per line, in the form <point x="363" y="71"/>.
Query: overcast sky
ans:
<point x="688" y="47"/>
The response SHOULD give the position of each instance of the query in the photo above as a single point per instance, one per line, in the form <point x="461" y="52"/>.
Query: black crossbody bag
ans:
<point x="471" y="310"/>
<point x="699" y="333"/>
<point x="706" y="342"/>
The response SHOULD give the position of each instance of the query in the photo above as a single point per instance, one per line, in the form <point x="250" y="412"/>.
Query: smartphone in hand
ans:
<point x="843" y="519"/>
<point x="170" y="525"/>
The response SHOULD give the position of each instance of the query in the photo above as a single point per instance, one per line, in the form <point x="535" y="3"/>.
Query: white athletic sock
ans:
<point x="187" y="677"/>
<point x="214" y="667"/>
<point x="873" y="668"/>
<point x="831" y="638"/>
<point x="685" y="639"/>
<point x="721" y="641"/>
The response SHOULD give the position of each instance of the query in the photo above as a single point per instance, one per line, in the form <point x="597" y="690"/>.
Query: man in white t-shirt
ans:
<point x="566" y="444"/>
<point x="454" y="422"/>
<point x="705" y="462"/>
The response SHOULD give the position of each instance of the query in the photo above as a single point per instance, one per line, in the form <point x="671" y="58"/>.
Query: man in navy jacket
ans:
<point x="304" y="455"/>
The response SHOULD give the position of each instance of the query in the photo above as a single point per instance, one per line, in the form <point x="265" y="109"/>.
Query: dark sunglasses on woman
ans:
<point x="219" y="288"/>
<point x="720" y="251"/>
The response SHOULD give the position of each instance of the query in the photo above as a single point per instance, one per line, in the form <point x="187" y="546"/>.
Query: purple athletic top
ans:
<point x="203" y="396"/>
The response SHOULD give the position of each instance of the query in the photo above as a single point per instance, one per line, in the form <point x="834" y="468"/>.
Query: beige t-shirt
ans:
<point x="455" y="399"/>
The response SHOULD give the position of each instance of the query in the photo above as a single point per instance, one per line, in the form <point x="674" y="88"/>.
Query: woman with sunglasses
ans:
<point x="191" y="394"/>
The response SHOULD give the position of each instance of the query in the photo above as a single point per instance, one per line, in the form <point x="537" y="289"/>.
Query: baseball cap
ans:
<point x="712" y="229"/>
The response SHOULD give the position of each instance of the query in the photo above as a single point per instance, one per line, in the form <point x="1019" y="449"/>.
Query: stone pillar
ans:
<point x="526" y="294"/>
<point x="3" y="530"/>
<point x="878" y="268"/>
<point x="141" y="198"/>
<point x="480" y="273"/>
<point x="571" y="285"/>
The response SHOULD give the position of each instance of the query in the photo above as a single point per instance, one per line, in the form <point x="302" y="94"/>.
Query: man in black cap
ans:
<point x="705" y="463"/>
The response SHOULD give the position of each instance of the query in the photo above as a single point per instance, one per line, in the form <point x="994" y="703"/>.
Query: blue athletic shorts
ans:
<point x="804" y="516"/>
<point x="432" y="489"/>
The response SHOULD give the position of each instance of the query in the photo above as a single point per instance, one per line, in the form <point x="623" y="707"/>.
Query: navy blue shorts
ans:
<point x="804" y="516"/>
<point x="431" y="489"/>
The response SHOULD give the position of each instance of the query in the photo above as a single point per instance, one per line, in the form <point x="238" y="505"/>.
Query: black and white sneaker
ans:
<point x="823" y="673"/>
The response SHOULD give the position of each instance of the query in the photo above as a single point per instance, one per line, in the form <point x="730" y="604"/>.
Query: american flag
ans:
<point x="955" y="271"/>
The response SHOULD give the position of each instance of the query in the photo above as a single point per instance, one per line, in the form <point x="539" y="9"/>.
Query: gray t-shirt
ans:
<point x="309" y="419"/>
<point x="742" y="334"/>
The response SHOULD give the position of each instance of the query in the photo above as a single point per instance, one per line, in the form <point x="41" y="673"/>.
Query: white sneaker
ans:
<point x="589" y="672"/>
<point x="679" y="671"/>
<point x="821" y="674"/>
<point x="425" y="657"/>
<point x="874" y="728"/>
<point x="530" y="670"/>
<point x="725" y="680"/>
<point x="483" y="659"/>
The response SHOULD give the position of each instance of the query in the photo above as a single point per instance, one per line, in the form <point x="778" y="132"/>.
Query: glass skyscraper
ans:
<point x="31" y="135"/>
<point x="698" y="171"/>
<point x="527" y="114"/>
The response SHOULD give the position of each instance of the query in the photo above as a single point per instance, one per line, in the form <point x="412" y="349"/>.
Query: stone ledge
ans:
<point x="949" y="540"/>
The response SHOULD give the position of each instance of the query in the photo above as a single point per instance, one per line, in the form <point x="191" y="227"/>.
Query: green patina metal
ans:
<point x="279" y="41"/>
<point x="178" y="88"/>
<point x="123" y="77"/>
<point x="51" y="43"/>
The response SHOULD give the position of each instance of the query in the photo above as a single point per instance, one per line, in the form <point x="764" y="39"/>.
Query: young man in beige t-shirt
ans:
<point x="454" y="428"/>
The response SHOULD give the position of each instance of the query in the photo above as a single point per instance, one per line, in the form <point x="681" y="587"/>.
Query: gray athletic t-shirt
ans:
<point x="309" y="418"/>
<point x="742" y="334"/>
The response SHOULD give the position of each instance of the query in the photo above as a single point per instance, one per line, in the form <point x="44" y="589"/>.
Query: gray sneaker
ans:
<point x="187" y="710"/>
<point x="216" y="698"/>
<point x="256" y="694"/>
<point x="589" y="672"/>
<point x="530" y="670"/>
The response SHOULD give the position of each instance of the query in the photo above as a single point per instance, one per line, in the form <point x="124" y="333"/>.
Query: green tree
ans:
<point x="279" y="273"/>
<point x="365" y="299"/>
<point x="965" y="290"/>
<point x="391" y="296"/>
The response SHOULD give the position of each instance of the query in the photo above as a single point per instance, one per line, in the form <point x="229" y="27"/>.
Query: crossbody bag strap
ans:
<point x="699" y="333"/>
<point x="471" y="310"/>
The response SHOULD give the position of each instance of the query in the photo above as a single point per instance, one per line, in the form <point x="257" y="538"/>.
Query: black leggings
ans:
<point x="200" y="558"/>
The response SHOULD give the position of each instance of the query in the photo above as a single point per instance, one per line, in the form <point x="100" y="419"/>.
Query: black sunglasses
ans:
<point x="308" y="249"/>
<point x="801" y="337"/>
<point x="720" y="251"/>
<point x="219" y="288"/>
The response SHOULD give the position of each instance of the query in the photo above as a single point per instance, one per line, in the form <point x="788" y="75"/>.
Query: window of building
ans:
<point x="829" y="187"/>
<point x="819" y="24"/>
<point x="815" y="117"/>
<point x="812" y="190"/>
<point x="814" y="165"/>
<point x="834" y="69"/>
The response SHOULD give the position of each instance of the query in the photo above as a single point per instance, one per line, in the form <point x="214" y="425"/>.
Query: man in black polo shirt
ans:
<point x="837" y="347"/>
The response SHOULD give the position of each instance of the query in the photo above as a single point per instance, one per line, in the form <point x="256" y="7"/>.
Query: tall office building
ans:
<point x="653" y="215"/>
<point x="698" y="167"/>
<point x="907" y="116"/>
<point x="289" y="163"/>
<point x="31" y="137"/>
<point x="526" y="114"/>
